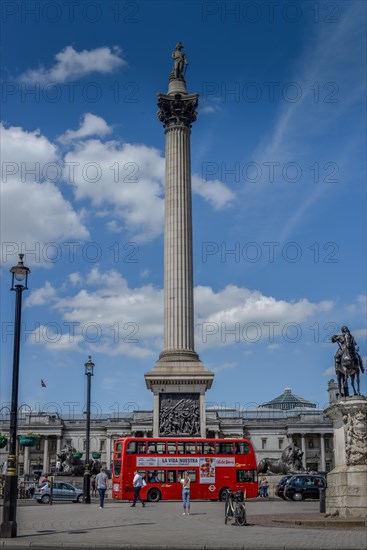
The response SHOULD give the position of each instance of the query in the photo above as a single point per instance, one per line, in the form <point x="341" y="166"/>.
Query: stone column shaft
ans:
<point x="178" y="272"/>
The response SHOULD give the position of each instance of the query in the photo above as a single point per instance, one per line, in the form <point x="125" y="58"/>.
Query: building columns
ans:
<point x="46" y="457"/>
<point x="303" y="448"/>
<point x="108" y="450"/>
<point x="58" y="445"/>
<point x="322" y="449"/>
<point x="26" y="460"/>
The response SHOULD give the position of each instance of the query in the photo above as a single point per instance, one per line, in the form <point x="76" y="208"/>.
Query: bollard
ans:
<point x="322" y="500"/>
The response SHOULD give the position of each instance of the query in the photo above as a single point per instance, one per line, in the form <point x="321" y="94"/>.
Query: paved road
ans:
<point x="162" y="525"/>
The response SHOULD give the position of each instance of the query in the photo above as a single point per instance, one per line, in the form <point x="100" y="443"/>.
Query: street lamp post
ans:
<point x="86" y="485"/>
<point x="8" y="528"/>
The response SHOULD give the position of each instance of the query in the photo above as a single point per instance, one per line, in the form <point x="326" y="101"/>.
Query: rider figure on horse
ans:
<point x="347" y="344"/>
<point x="348" y="362"/>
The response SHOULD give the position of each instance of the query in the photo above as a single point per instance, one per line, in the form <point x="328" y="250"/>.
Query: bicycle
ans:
<point x="235" y="507"/>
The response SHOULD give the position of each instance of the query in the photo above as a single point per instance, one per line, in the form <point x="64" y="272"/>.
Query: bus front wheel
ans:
<point x="154" y="495"/>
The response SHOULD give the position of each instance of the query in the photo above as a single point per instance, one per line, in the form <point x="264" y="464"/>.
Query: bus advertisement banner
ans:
<point x="207" y="470"/>
<point x="183" y="461"/>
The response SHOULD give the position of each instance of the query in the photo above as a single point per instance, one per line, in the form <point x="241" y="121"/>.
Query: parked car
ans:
<point x="303" y="486"/>
<point x="279" y="489"/>
<point x="60" y="491"/>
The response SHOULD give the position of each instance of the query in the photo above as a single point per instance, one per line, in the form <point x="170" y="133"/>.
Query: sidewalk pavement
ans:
<point x="273" y="525"/>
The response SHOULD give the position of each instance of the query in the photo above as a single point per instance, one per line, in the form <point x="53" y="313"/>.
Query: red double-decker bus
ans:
<point x="212" y="464"/>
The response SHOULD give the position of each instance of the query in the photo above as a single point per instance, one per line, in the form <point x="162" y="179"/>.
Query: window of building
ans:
<point x="327" y="443"/>
<point x="21" y="469"/>
<point x="84" y="444"/>
<point x="102" y="444"/>
<point x="263" y="443"/>
<point x="280" y="443"/>
<point x="310" y="444"/>
<point x="68" y="442"/>
<point x="38" y="445"/>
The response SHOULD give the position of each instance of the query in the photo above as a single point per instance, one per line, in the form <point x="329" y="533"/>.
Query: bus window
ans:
<point x="171" y="476"/>
<point x="152" y="447"/>
<point x="242" y="448"/>
<point x="141" y="448"/>
<point x="161" y="448"/>
<point x="133" y="446"/>
<point x="192" y="475"/>
<point x="225" y="448"/>
<point x="205" y="448"/>
<point x="152" y="477"/>
<point x="118" y="447"/>
<point x="243" y="476"/>
<point x="189" y="448"/>
<point x="143" y="474"/>
<point x="157" y="476"/>
<point x="171" y="447"/>
<point x="180" y="448"/>
<point x="117" y="468"/>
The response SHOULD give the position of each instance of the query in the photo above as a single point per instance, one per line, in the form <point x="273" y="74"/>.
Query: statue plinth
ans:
<point x="346" y="493"/>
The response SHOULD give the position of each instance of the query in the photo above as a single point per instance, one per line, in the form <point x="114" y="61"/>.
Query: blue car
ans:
<point x="60" y="491"/>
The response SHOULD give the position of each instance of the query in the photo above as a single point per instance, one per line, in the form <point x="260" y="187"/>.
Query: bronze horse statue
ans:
<point x="348" y="367"/>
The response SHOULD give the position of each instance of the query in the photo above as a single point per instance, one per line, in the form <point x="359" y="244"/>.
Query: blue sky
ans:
<point x="278" y="172"/>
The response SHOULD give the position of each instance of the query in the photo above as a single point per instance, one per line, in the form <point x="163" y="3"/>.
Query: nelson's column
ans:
<point x="179" y="379"/>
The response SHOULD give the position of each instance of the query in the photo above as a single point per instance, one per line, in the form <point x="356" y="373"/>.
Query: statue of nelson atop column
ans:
<point x="179" y="63"/>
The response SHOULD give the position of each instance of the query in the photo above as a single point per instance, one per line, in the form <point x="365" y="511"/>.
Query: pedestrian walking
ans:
<point x="264" y="484"/>
<point x="102" y="484"/>
<point x="186" y="493"/>
<point x="138" y="483"/>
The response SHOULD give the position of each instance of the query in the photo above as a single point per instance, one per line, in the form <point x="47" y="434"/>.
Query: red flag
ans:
<point x="43" y="383"/>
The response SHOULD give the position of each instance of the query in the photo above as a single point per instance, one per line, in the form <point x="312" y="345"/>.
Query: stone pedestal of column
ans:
<point x="346" y="493"/>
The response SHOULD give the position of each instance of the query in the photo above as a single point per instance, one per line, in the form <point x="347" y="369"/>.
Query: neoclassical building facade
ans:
<point x="271" y="427"/>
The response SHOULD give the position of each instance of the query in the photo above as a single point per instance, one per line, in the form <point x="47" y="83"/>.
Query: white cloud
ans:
<point x="213" y="191"/>
<point x="75" y="278"/>
<point x="129" y="182"/>
<point x="70" y="64"/>
<point x="41" y="296"/>
<point x="90" y="125"/>
<point x="114" y="319"/>
<point x="239" y="315"/>
<point x="27" y="196"/>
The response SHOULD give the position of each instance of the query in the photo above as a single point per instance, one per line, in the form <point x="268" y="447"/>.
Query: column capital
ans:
<point x="177" y="110"/>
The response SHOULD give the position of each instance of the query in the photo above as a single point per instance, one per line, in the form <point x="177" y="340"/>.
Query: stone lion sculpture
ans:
<point x="289" y="463"/>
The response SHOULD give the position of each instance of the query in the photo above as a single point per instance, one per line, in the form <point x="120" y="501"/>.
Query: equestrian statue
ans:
<point x="348" y="362"/>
